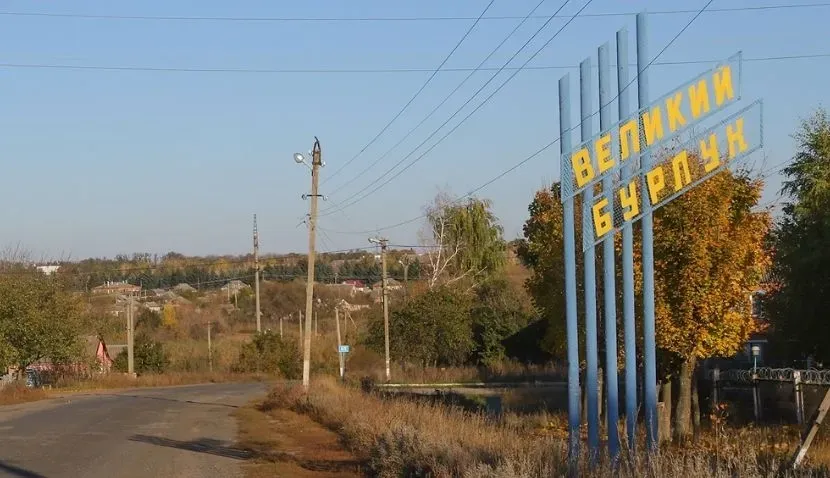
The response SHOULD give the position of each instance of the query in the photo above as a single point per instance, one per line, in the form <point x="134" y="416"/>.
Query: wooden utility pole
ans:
<point x="256" y="277"/>
<point x="808" y="437"/>
<point x="280" y="326"/>
<point x="383" y="243"/>
<point x="210" y="351"/>
<point x="300" y="323"/>
<point x="339" y="342"/>
<point x="130" y="338"/>
<point x="316" y="162"/>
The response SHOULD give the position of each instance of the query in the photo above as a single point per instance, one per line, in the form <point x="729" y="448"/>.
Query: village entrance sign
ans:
<point x="620" y="175"/>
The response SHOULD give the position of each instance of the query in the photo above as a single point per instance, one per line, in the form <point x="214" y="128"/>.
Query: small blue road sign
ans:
<point x="344" y="349"/>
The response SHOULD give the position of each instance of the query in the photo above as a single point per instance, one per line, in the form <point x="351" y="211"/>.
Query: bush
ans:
<point x="149" y="357"/>
<point x="268" y="353"/>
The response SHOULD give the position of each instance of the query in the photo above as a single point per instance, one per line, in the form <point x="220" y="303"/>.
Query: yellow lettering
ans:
<point x="582" y="168"/>
<point x="628" y="200"/>
<point x="710" y="153"/>
<point x="699" y="99"/>
<point x="680" y="166"/>
<point x="676" y="119"/>
<point x="735" y="137"/>
<point x="723" y="85"/>
<point x="629" y="139"/>
<point x="656" y="182"/>
<point x="602" y="219"/>
<point x="653" y="125"/>
<point x="602" y="151"/>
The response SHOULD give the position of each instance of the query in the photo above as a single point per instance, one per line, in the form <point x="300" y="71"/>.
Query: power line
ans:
<point x="446" y="98"/>
<point x="385" y="19"/>
<point x="505" y="82"/>
<point x="285" y="71"/>
<point x="417" y="93"/>
<point x="544" y="148"/>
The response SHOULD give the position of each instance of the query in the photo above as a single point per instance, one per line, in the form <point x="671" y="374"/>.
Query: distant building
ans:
<point x="235" y="286"/>
<point x="152" y="306"/>
<point x="184" y="288"/>
<point x="48" y="269"/>
<point x="391" y="284"/>
<point x="112" y="287"/>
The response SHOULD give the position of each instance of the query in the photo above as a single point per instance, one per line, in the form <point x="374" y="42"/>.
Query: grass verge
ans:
<point x="284" y="443"/>
<point x="399" y="437"/>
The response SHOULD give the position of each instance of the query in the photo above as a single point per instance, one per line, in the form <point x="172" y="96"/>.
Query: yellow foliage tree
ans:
<point x="709" y="257"/>
<point x="168" y="317"/>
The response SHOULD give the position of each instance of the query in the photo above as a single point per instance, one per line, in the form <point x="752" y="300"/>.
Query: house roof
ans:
<point x="183" y="287"/>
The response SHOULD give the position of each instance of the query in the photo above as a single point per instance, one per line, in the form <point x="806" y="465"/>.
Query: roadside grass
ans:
<point x="15" y="393"/>
<point x="284" y="443"/>
<point x="401" y="437"/>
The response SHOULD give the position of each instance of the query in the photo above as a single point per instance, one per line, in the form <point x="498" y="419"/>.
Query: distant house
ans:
<point x="235" y="286"/>
<point x="112" y="287"/>
<point x="153" y="306"/>
<point x="48" y="269"/>
<point x="184" y="288"/>
<point x="343" y="305"/>
<point x="357" y="285"/>
<point x="391" y="284"/>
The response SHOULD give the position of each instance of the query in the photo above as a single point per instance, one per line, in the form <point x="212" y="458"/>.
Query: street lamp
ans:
<point x="756" y="351"/>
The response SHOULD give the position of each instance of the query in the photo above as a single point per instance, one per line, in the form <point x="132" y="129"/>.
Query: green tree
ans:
<point x="267" y="352"/>
<point x="149" y="356"/>
<point x="465" y="241"/>
<point x="39" y="319"/>
<point x="432" y="329"/>
<point x="497" y="313"/>
<point x="800" y="294"/>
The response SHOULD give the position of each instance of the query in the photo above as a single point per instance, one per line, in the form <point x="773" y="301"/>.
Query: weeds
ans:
<point x="401" y="437"/>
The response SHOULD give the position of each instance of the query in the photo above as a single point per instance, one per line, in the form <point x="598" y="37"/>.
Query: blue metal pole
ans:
<point x="570" y="277"/>
<point x="609" y="280"/>
<point x="591" y="359"/>
<point x="627" y="258"/>
<point x="649" y="352"/>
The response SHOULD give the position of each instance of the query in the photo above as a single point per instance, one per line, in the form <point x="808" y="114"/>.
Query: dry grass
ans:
<point x="155" y="380"/>
<point x="505" y="372"/>
<point x="400" y="437"/>
<point x="284" y="443"/>
<point x="15" y="393"/>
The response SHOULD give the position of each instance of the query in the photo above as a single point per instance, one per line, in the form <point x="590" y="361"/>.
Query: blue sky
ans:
<point x="104" y="162"/>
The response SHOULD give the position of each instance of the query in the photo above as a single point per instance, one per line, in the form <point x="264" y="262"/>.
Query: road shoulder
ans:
<point x="288" y="444"/>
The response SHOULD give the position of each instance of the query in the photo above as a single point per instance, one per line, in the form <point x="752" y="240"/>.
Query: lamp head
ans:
<point x="756" y="350"/>
<point x="299" y="158"/>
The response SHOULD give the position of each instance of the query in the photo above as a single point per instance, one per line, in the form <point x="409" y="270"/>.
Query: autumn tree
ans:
<point x="800" y="298"/>
<point x="709" y="257"/>
<point x="463" y="240"/>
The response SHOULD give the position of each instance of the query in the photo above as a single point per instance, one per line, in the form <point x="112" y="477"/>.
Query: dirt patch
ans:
<point x="285" y="443"/>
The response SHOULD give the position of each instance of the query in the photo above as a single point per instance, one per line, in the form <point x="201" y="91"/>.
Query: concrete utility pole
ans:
<point x="383" y="242"/>
<point x="256" y="277"/>
<point x="316" y="162"/>
<point x="405" y="261"/>
<point x="130" y="338"/>
<point x="339" y="342"/>
<point x="210" y="351"/>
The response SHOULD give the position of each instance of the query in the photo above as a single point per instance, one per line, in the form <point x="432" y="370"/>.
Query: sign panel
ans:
<point x="344" y="349"/>
<point x="676" y="171"/>
<point x="654" y="125"/>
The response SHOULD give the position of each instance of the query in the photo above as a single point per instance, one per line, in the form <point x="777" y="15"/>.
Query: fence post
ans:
<point x="798" y="390"/>
<point x="715" y="379"/>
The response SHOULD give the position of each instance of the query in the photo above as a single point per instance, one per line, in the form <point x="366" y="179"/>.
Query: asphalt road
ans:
<point x="182" y="432"/>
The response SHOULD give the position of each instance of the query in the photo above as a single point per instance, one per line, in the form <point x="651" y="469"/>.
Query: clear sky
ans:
<point x="99" y="162"/>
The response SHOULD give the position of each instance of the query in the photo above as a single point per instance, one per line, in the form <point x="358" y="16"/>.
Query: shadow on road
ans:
<point x="209" y="446"/>
<point x="219" y="448"/>
<point x="9" y="469"/>
<point x="195" y="402"/>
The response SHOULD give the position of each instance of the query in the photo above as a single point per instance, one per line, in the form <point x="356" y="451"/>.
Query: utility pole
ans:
<point x="339" y="342"/>
<point x="316" y="162"/>
<point x="300" y="323"/>
<point x="130" y="338"/>
<point x="256" y="277"/>
<point x="210" y="351"/>
<point x="281" y="326"/>
<point x="383" y="242"/>
<point x="405" y="261"/>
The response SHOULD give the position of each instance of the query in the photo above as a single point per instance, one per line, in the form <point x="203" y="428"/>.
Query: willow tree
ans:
<point x="798" y="305"/>
<point x="464" y="241"/>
